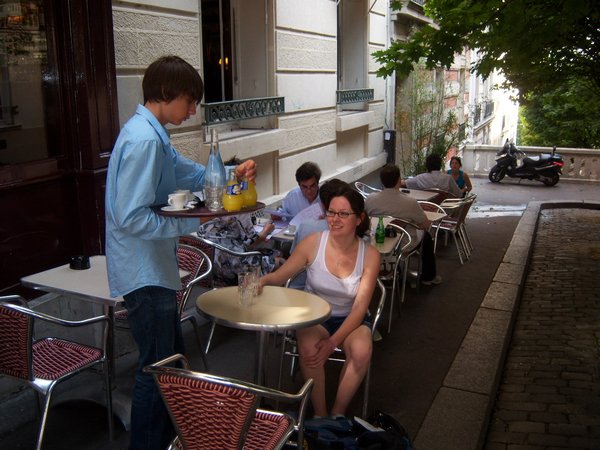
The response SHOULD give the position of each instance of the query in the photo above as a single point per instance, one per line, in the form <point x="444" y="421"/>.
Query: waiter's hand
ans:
<point x="246" y="169"/>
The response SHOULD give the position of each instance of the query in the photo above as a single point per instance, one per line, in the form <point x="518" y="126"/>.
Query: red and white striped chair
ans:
<point x="209" y="411"/>
<point x="45" y="362"/>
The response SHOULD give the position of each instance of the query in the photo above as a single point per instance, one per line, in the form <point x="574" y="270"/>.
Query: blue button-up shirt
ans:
<point x="295" y="201"/>
<point x="143" y="170"/>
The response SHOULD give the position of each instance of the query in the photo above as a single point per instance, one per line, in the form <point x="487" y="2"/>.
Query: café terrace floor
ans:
<point x="409" y="365"/>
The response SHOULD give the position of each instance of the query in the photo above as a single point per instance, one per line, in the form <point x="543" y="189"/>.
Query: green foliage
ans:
<point x="567" y="116"/>
<point x="431" y="129"/>
<point x="537" y="44"/>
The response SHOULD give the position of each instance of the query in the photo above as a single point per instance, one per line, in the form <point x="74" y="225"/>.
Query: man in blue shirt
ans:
<point x="141" y="245"/>
<point x="306" y="194"/>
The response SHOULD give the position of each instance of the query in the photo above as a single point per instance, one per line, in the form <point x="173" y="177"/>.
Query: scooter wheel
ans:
<point x="552" y="179"/>
<point x="496" y="174"/>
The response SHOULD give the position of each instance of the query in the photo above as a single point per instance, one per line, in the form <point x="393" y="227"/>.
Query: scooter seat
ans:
<point x="534" y="160"/>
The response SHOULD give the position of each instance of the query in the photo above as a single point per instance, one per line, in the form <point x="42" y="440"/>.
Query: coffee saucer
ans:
<point x="170" y="208"/>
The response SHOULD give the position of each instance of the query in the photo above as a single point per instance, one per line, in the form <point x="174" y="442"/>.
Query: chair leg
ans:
<point x="367" y="382"/>
<point x="210" y="336"/>
<point x="192" y="319"/>
<point x="392" y="298"/>
<point x="281" y="355"/>
<point x="46" y="407"/>
<point x="456" y="239"/>
<point x="109" y="406"/>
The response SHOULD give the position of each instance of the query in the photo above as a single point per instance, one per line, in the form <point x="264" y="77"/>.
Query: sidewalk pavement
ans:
<point x="437" y="371"/>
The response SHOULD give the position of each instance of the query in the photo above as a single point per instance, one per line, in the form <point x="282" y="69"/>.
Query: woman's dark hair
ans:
<point x="357" y="203"/>
<point x="328" y="189"/>
<point x="170" y="77"/>
<point x="457" y="159"/>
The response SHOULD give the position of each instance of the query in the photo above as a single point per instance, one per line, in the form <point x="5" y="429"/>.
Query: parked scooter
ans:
<point x="545" y="168"/>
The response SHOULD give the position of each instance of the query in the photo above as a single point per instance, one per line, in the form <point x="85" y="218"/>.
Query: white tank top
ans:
<point x="339" y="292"/>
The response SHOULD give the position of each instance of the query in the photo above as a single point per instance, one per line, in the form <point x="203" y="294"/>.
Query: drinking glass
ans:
<point x="245" y="288"/>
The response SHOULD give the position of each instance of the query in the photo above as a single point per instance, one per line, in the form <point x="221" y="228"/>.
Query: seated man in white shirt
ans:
<point x="392" y="202"/>
<point x="306" y="194"/>
<point x="433" y="178"/>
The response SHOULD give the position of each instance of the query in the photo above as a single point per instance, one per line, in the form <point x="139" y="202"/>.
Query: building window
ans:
<point x="24" y="66"/>
<point x="234" y="42"/>
<point x="352" y="67"/>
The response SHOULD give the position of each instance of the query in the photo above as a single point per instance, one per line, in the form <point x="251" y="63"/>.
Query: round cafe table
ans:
<point x="275" y="309"/>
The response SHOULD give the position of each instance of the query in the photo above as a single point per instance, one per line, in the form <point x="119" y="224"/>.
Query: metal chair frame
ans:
<point x="288" y="340"/>
<point x="455" y="224"/>
<point x="441" y="195"/>
<point x="434" y="207"/>
<point x="213" y="246"/>
<point x="224" y="409"/>
<point x="364" y="189"/>
<point x="27" y="359"/>
<point x="199" y="266"/>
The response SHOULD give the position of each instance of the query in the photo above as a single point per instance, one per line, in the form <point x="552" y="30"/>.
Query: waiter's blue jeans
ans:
<point x="156" y="328"/>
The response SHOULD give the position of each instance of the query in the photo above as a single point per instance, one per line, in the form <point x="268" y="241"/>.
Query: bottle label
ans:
<point x="244" y="185"/>
<point x="233" y="189"/>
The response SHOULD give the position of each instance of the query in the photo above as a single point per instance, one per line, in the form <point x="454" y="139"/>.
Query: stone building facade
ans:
<point x="315" y="54"/>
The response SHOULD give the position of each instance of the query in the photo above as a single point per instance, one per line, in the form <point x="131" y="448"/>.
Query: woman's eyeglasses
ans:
<point x="341" y="214"/>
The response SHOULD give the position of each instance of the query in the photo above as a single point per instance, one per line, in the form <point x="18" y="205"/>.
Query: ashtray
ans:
<point x="80" y="262"/>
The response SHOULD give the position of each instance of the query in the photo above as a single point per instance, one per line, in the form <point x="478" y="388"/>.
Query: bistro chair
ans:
<point x="199" y="266"/>
<point x="289" y="346"/>
<point x="213" y="412"/>
<point x="454" y="224"/>
<point x="404" y="252"/>
<point x="43" y="363"/>
<point x="364" y="189"/>
<point x="215" y="283"/>
<point x="441" y="195"/>
<point x="435" y="226"/>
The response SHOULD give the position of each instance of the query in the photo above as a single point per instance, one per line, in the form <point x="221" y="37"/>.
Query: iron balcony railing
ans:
<point x="243" y="109"/>
<point x="347" y="96"/>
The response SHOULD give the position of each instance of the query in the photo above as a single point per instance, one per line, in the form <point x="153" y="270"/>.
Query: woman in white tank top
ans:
<point x="342" y="269"/>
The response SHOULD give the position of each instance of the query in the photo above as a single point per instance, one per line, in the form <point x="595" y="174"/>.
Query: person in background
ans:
<point x="306" y="194"/>
<point x="342" y="269"/>
<point x="461" y="179"/>
<point x="144" y="168"/>
<point x="391" y="202"/>
<point x="433" y="178"/>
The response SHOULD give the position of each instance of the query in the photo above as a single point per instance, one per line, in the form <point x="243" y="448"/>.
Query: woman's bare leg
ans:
<point x="307" y="339"/>
<point x="358" y="347"/>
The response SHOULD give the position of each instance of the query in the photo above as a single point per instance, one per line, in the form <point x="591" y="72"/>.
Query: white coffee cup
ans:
<point x="178" y="200"/>
<point x="188" y="194"/>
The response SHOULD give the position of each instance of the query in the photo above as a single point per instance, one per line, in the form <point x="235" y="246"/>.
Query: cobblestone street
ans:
<point x="549" y="396"/>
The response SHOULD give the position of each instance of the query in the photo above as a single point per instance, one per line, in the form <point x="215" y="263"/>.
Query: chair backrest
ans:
<point x="209" y="411"/>
<point x="208" y="250"/>
<point x="441" y="195"/>
<point x="222" y="248"/>
<point x="431" y="206"/>
<point x="198" y="264"/>
<point x="404" y="241"/>
<point x="364" y="189"/>
<point x="16" y="336"/>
